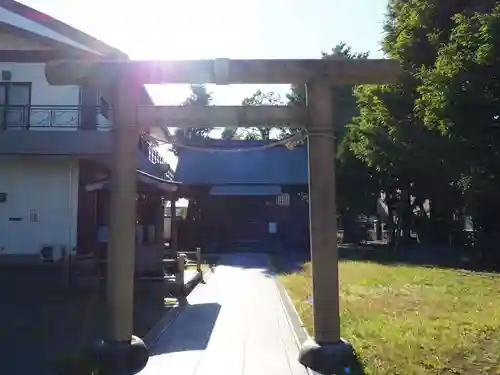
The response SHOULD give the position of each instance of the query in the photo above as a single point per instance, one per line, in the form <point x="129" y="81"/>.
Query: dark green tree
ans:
<point x="416" y="132"/>
<point x="199" y="97"/>
<point x="459" y="99"/>
<point x="345" y="103"/>
<point x="229" y="133"/>
<point x="357" y="183"/>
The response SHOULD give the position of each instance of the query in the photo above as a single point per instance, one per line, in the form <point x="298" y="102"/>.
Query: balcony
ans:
<point x="149" y="152"/>
<point x="54" y="118"/>
<point x="54" y="130"/>
<point x="64" y="130"/>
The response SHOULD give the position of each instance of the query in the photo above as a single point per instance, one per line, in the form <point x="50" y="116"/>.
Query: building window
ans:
<point x="15" y="99"/>
<point x="104" y="108"/>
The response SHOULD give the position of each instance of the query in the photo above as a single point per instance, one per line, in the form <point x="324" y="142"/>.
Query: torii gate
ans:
<point x="327" y="351"/>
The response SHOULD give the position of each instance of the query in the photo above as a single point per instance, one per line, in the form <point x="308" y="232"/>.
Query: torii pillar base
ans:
<point x="330" y="358"/>
<point x="120" y="358"/>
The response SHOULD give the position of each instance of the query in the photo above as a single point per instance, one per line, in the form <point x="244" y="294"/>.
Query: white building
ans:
<point x="54" y="140"/>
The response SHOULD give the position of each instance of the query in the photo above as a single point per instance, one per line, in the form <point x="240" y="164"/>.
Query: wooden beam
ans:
<point x="225" y="71"/>
<point x="336" y="72"/>
<point x="222" y="116"/>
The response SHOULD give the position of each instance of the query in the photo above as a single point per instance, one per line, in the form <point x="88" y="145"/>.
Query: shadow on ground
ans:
<point x="418" y="255"/>
<point x="43" y="323"/>
<point x="259" y="261"/>
<point x="191" y="331"/>
<point x="356" y="367"/>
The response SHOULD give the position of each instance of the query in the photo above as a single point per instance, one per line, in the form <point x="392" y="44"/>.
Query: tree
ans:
<point x="388" y="135"/>
<point x="199" y="97"/>
<point x="357" y="184"/>
<point x="229" y="133"/>
<point x="459" y="98"/>
<point x="257" y="98"/>
<point x="345" y="103"/>
<point x="423" y="132"/>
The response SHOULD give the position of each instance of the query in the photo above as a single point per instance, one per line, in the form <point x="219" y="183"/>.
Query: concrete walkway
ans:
<point x="235" y="324"/>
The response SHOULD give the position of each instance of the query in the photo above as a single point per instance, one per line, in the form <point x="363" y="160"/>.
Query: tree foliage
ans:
<point x="199" y="97"/>
<point x="439" y="128"/>
<point x="259" y="97"/>
<point x="356" y="183"/>
<point x="345" y="103"/>
<point x="459" y="98"/>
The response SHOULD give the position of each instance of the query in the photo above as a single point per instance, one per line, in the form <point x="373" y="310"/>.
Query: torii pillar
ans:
<point x="122" y="353"/>
<point x="327" y="353"/>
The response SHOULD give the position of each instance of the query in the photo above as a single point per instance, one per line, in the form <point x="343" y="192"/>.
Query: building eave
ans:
<point x="80" y="40"/>
<point x="76" y="36"/>
<point x="158" y="183"/>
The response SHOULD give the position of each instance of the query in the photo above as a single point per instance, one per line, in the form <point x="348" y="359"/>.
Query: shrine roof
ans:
<point x="255" y="162"/>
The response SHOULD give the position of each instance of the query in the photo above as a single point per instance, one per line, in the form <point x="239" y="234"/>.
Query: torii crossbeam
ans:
<point x="327" y="352"/>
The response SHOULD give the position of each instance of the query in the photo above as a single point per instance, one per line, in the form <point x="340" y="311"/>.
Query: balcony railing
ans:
<point x="64" y="117"/>
<point x="150" y="151"/>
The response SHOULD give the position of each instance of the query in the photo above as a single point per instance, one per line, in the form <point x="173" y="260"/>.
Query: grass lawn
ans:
<point x="413" y="320"/>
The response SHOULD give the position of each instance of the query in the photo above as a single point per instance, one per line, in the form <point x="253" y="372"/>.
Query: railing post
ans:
<point x="198" y="260"/>
<point x="198" y="264"/>
<point x="174" y="225"/>
<point x="179" y="278"/>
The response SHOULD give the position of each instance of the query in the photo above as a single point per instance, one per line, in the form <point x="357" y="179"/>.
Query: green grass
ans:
<point x="413" y="320"/>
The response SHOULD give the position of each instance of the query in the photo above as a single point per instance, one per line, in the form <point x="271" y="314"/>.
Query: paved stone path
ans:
<point x="235" y="324"/>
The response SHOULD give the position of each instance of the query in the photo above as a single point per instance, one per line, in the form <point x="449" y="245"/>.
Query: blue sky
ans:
<point x="195" y="29"/>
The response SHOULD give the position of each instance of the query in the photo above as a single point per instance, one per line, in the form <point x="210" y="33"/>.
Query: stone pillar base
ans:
<point x="120" y="358"/>
<point x="330" y="358"/>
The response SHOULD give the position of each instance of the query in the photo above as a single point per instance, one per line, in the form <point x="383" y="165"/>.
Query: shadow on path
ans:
<point x="191" y="331"/>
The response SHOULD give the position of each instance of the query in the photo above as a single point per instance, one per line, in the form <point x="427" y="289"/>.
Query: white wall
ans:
<point x="43" y="94"/>
<point x="46" y="186"/>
